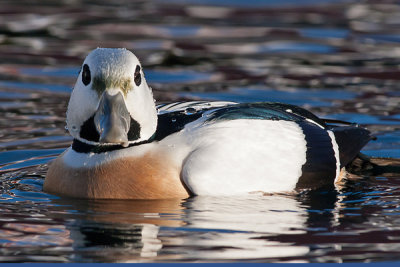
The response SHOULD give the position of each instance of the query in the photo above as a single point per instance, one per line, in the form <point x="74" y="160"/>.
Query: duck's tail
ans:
<point x="351" y="138"/>
<point x="364" y="165"/>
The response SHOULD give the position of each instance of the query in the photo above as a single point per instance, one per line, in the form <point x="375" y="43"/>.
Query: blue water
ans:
<point x="313" y="97"/>
<point x="155" y="76"/>
<point x="338" y="59"/>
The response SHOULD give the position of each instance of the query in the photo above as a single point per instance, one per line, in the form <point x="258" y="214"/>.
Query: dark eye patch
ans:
<point x="86" y="77"/>
<point x="137" y="78"/>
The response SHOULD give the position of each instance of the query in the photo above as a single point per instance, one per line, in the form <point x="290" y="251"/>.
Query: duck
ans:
<point x="127" y="147"/>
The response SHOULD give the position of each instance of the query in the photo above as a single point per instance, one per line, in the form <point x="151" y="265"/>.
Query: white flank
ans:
<point x="242" y="156"/>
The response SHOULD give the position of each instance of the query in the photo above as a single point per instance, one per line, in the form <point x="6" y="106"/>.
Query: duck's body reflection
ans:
<point x="199" y="228"/>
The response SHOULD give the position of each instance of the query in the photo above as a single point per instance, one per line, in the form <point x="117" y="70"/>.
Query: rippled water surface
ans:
<point x="339" y="59"/>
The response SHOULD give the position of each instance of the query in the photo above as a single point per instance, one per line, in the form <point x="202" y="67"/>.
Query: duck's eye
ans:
<point x="86" y="74"/>
<point x="138" y="77"/>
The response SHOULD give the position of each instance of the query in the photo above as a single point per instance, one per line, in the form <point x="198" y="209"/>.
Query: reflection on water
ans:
<point x="310" y="227"/>
<point x="337" y="58"/>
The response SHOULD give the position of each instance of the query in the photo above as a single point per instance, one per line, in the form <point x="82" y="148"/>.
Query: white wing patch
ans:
<point x="336" y="150"/>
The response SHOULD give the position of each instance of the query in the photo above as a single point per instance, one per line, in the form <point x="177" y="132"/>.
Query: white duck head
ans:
<point x="111" y="102"/>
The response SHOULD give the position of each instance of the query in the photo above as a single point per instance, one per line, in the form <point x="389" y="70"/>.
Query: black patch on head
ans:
<point x="138" y="77"/>
<point x="134" y="130"/>
<point x="86" y="77"/>
<point x="319" y="171"/>
<point x="88" y="130"/>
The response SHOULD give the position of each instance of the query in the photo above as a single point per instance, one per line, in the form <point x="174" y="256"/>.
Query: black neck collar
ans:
<point x="81" y="147"/>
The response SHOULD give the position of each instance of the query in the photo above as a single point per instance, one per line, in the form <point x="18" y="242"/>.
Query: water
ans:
<point x="339" y="59"/>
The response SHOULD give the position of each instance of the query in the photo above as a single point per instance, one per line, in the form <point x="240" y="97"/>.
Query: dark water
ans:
<point x="340" y="59"/>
